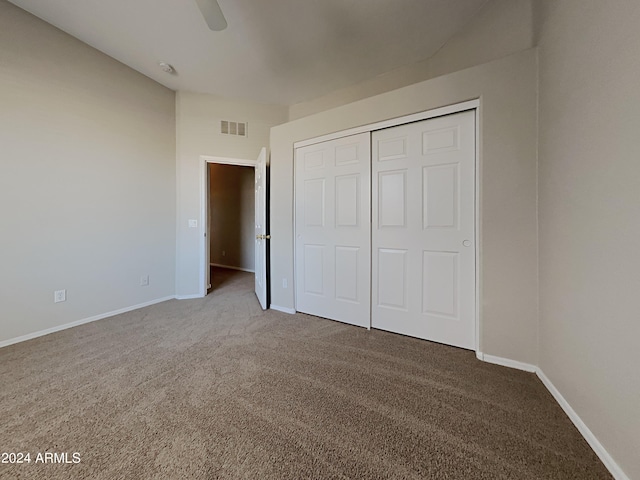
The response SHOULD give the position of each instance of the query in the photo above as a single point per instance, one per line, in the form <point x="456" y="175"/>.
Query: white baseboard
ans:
<point x="29" y="336"/>
<point x="188" y="297"/>
<point x="506" y="362"/>
<point x="282" y="309"/>
<point x="588" y="435"/>
<point x="232" y="268"/>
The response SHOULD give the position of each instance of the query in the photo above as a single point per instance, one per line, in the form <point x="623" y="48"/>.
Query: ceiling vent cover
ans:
<point x="228" y="127"/>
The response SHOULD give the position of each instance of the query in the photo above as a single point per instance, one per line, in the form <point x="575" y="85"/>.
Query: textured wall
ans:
<point x="87" y="179"/>
<point x="501" y="28"/>
<point x="590" y="215"/>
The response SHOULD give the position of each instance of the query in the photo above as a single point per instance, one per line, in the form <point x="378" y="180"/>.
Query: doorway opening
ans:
<point x="233" y="211"/>
<point x="230" y="222"/>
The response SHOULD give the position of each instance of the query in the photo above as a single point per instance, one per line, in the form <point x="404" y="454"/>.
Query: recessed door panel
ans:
<point x="314" y="269"/>
<point x="346" y="280"/>
<point x="440" y="283"/>
<point x="392" y="276"/>
<point x="313" y="160"/>
<point x="314" y="202"/>
<point x="440" y="196"/>
<point x="392" y="198"/>
<point x="441" y="140"/>
<point x="347" y="155"/>
<point x="347" y="200"/>
<point x="392" y="149"/>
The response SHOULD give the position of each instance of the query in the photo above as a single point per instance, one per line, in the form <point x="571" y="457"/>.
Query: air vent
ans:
<point x="233" y="128"/>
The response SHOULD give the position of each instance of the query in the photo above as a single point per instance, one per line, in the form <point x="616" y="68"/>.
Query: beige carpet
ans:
<point x="214" y="388"/>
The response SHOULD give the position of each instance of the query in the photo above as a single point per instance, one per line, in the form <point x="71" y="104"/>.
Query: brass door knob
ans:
<point x="263" y="237"/>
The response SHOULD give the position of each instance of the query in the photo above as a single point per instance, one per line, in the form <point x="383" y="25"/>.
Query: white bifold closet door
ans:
<point x="423" y="223"/>
<point x="332" y="234"/>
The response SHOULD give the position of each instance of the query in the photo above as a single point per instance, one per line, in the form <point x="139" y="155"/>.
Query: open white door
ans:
<point x="261" y="228"/>
<point x="207" y="228"/>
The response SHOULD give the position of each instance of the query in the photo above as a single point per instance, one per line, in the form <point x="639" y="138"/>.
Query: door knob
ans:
<point x="466" y="243"/>
<point x="263" y="237"/>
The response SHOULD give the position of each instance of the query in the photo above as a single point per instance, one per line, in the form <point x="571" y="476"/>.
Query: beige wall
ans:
<point x="232" y="212"/>
<point x="590" y="215"/>
<point x="87" y="180"/>
<point x="197" y="124"/>
<point x="501" y="28"/>
<point x="508" y="249"/>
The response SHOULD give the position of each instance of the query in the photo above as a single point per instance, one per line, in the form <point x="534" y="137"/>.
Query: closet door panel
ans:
<point x="332" y="229"/>
<point x="423" y="229"/>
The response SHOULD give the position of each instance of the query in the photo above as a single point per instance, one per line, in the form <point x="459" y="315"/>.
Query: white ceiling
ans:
<point x="273" y="51"/>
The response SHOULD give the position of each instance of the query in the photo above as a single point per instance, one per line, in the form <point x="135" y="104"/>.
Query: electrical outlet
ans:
<point x="59" y="296"/>
<point x="284" y="283"/>
<point x="144" y="280"/>
<point x="224" y="253"/>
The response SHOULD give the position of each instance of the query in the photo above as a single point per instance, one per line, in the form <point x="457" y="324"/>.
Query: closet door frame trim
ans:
<point x="416" y="117"/>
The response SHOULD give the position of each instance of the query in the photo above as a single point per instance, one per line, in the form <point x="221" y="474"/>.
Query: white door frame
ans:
<point x="205" y="160"/>
<point x="474" y="105"/>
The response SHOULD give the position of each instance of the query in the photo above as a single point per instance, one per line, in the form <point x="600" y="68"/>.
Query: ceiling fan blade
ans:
<point x="212" y="14"/>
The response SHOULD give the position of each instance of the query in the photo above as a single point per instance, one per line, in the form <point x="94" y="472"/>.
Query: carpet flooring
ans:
<point x="215" y="388"/>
